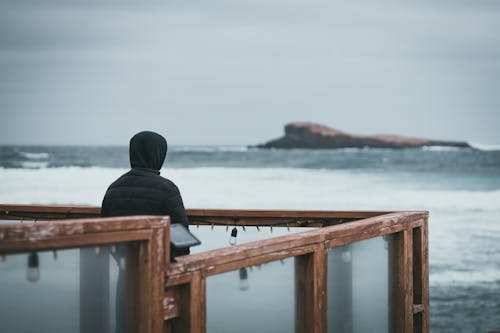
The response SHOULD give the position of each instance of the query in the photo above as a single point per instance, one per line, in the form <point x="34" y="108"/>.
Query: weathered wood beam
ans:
<point x="401" y="268"/>
<point x="310" y="291"/>
<point x="243" y="253"/>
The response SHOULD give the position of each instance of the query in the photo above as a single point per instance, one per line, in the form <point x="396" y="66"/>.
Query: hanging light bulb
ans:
<point x="32" y="274"/>
<point x="346" y="256"/>
<point x="232" y="239"/>
<point x="244" y="279"/>
<point x="122" y="263"/>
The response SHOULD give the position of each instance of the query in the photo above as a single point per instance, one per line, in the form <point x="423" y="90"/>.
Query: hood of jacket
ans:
<point x="147" y="150"/>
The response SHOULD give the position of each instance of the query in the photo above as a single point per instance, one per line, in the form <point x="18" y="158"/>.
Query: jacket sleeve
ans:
<point x="178" y="215"/>
<point x="178" y="212"/>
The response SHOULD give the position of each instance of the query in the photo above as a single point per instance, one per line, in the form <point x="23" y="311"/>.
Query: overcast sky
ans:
<point x="236" y="71"/>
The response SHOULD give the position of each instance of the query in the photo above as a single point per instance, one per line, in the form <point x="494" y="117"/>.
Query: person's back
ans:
<point x="142" y="191"/>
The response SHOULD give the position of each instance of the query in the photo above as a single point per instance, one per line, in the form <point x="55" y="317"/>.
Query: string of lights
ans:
<point x="209" y="220"/>
<point x="33" y="273"/>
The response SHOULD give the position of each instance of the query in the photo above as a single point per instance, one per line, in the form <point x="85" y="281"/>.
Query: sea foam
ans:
<point x="464" y="227"/>
<point x="485" y="147"/>
<point x="276" y="188"/>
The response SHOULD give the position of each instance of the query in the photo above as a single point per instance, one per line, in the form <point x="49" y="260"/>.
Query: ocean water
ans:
<point x="459" y="187"/>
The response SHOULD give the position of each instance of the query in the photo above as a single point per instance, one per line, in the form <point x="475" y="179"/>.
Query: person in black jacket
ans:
<point x="142" y="191"/>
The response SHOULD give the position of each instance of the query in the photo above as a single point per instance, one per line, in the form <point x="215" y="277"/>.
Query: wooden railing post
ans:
<point x="159" y="247"/>
<point x="401" y="285"/>
<point x="195" y="303"/>
<point x="192" y="309"/>
<point x="420" y="279"/>
<point x="310" y="291"/>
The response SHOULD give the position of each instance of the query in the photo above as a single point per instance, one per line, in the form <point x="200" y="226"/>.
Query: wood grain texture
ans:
<point x="262" y="259"/>
<point x="417" y="266"/>
<point x="77" y="232"/>
<point x="320" y="258"/>
<point x="357" y="230"/>
<point x="401" y="265"/>
<point x="176" y="279"/>
<point x="281" y="213"/>
<point x="171" y="303"/>
<point x="310" y="291"/>
<point x="16" y="212"/>
<point x="182" y="323"/>
<point x="195" y="303"/>
<point x="183" y="302"/>
<point x="192" y="305"/>
<point x="425" y="275"/>
<point x="157" y="267"/>
<point x="417" y="308"/>
<point x="41" y="230"/>
<point x="61" y="242"/>
<point x="203" y="305"/>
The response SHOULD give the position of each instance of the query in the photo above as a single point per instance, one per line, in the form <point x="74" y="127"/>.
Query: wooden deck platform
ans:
<point x="171" y="296"/>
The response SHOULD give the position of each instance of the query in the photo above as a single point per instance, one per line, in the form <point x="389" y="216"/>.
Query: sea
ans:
<point x="459" y="187"/>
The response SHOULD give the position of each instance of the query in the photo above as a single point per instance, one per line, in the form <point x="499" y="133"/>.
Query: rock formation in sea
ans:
<point x="315" y="136"/>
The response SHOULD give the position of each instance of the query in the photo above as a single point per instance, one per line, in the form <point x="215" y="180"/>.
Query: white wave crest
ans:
<point x="209" y="149"/>
<point x="454" y="277"/>
<point x="440" y="148"/>
<point x="484" y="147"/>
<point x="34" y="164"/>
<point x="35" y="156"/>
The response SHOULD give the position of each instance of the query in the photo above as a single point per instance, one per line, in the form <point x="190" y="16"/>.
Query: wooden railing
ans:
<point x="150" y="258"/>
<point x="184" y="281"/>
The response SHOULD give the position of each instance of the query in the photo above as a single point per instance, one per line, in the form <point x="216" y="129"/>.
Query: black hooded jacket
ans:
<point x="142" y="191"/>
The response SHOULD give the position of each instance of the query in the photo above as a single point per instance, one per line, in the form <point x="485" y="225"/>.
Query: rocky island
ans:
<point x="315" y="136"/>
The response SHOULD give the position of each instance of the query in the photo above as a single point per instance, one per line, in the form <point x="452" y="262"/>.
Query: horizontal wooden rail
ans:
<point x="78" y="232"/>
<point x="243" y="255"/>
<point x="237" y="217"/>
<point x="39" y="212"/>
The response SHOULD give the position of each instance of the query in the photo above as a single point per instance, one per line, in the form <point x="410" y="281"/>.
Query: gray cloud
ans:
<point x="235" y="71"/>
